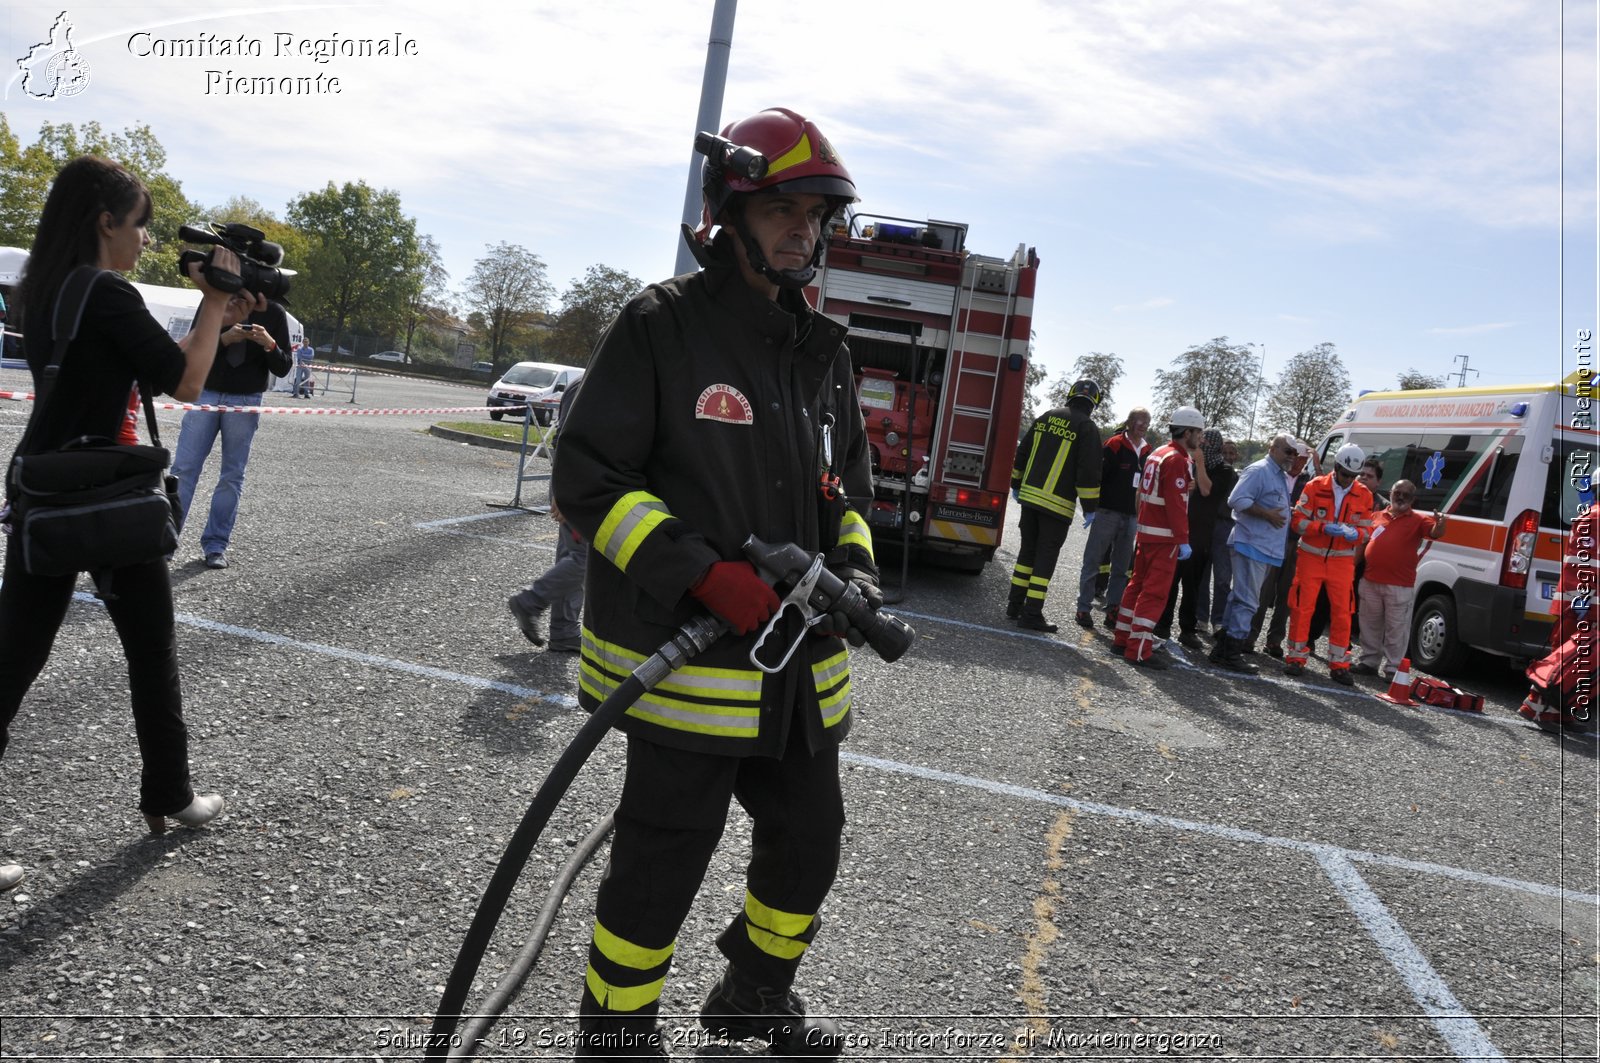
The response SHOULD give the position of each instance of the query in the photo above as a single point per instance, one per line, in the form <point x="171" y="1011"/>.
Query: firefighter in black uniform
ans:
<point x="1057" y="469"/>
<point x="718" y="405"/>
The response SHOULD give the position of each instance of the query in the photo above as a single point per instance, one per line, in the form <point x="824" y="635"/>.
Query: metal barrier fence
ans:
<point x="542" y="448"/>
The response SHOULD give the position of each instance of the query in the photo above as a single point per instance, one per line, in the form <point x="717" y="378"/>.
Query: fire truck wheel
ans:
<point x="1435" y="637"/>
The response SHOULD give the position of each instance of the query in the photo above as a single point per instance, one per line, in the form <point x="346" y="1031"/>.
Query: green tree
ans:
<point x="1219" y="379"/>
<point x="1312" y="391"/>
<point x="26" y="173"/>
<point x="587" y="308"/>
<point x="1416" y="380"/>
<point x="427" y="296"/>
<point x="509" y="288"/>
<point x="361" y="260"/>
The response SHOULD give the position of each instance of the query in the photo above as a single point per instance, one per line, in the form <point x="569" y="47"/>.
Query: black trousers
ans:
<point x="1043" y="535"/>
<point x="31" y="611"/>
<point x="673" y="809"/>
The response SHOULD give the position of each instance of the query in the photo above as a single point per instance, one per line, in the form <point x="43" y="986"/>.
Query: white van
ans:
<point x="536" y="384"/>
<point x="1502" y="462"/>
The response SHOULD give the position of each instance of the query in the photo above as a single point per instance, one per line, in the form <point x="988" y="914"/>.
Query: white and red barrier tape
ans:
<point x="324" y="411"/>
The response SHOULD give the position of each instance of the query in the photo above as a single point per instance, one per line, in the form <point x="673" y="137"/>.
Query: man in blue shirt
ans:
<point x="1260" y="505"/>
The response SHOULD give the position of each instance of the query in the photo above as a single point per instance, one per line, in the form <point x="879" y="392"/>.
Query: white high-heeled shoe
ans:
<point x="202" y="810"/>
<point x="10" y="875"/>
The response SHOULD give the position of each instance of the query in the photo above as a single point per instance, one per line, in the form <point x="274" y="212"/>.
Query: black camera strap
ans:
<point x="67" y="316"/>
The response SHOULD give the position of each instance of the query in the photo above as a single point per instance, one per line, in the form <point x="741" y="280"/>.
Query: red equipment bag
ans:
<point x="1565" y="678"/>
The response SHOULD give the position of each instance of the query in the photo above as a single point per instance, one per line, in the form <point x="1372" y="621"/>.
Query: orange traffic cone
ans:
<point x="1400" y="686"/>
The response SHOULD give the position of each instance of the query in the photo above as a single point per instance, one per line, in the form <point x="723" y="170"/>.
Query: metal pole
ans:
<point x="1255" y="403"/>
<point x="709" y="118"/>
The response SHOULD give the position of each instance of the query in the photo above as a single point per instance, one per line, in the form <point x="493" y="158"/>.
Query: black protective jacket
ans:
<point x="1058" y="463"/>
<point x="697" y="426"/>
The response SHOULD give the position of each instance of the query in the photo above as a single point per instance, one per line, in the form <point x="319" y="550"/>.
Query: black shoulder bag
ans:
<point x="93" y="505"/>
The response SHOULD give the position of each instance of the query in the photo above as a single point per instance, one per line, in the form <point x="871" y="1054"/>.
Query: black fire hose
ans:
<point x="815" y="590"/>
<point x="690" y="640"/>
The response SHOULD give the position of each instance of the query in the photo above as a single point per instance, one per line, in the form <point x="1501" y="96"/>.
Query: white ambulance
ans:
<point x="1502" y="462"/>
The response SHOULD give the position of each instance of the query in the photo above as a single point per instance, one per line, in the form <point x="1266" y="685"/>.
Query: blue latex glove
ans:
<point x="1350" y="532"/>
<point x="1184" y="551"/>
<point x="1016" y="495"/>
<point x="1088" y="520"/>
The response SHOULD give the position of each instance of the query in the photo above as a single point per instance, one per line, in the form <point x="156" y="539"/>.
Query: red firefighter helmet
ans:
<point x="775" y="150"/>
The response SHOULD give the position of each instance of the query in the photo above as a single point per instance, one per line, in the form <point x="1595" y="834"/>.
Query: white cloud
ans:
<point x="1149" y="304"/>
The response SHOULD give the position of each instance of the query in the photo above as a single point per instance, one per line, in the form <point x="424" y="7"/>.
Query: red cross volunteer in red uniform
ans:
<point x="715" y="407"/>
<point x="1162" y="539"/>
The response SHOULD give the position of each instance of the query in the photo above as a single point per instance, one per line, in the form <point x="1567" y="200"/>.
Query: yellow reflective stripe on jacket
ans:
<point x="1046" y="500"/>
<point x="1088" y="492"/>
<point x="825" y="674"/>
<point x="710" y="701"/>
<point x="623" y="997"/>
<point x="853" y="531"/>
<point x="629" y="523"/>
<point x="625" y="953"/>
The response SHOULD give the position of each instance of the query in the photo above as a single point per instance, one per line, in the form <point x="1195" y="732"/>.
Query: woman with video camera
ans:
<point x="96" y="214"/>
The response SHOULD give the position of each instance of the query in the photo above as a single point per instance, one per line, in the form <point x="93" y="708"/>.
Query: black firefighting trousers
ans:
<point x="668" y="823"/>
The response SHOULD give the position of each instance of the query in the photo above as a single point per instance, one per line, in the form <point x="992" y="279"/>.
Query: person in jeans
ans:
<point x="255" y="344"/>
<point x="1389" y="578"/>
<point x="1274" y="591"/>
<point x="1111" y="535"/>
<point x="96" y="213"/>
<point x="1260" y="505"/>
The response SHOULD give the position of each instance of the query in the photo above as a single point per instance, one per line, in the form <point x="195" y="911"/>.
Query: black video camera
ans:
<point x="258" y="259"/>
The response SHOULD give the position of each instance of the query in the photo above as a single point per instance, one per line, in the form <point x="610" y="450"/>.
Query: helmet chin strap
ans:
<point x="783" y="278"/>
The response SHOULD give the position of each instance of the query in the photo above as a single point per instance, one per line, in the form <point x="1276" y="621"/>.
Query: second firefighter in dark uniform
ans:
<point x="719" y="405"/>
<point x="1057" y="469"/>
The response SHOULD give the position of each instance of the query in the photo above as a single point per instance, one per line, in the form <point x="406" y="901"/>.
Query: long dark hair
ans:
<point x="69" y="235"/>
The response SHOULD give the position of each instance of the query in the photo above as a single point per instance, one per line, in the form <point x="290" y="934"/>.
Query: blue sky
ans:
<point x="1385" y="175"/>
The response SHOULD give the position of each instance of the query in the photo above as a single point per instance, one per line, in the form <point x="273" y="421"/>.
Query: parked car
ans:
<point x="536" y="384"/>
<point x="388" y="356"/>
<point x="343" y="352"/>
<point x="483" y="367"/>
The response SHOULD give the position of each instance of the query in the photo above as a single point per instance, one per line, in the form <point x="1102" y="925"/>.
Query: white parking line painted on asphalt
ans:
<point x="1454" y="1023"/>
<point x="1237" y="834"/>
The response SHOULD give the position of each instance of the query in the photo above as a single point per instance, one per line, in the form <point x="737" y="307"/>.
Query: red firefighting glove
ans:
<point x="733" y="591"/>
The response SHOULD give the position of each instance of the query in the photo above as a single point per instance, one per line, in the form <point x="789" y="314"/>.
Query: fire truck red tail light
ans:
<point x="1519" y="550"/>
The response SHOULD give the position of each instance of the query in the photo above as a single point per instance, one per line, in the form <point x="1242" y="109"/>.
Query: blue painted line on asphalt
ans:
<point x="1454" y="1022"/>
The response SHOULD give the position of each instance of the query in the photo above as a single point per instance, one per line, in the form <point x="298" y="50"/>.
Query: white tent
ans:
<point x="11" y="260"/>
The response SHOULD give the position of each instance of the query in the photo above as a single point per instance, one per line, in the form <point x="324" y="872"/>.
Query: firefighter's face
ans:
<point x="786" y="226"/>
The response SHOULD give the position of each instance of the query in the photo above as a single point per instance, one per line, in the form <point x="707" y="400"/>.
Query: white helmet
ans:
<point x="1349" y="458"/>
<point x="1186" y="417"/>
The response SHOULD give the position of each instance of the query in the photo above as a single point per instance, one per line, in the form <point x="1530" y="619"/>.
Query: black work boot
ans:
<point x="1035" y="621"/>
<point x="1014" y="602"/>
<point x="1232" y="656"/>
<point x="738" y="1009"/>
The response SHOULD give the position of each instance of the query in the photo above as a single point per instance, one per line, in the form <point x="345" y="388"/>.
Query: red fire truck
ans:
<point x="939" y="337"/>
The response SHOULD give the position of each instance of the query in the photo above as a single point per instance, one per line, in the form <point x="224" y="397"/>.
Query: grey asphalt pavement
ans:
<point x="1050" y="855"/>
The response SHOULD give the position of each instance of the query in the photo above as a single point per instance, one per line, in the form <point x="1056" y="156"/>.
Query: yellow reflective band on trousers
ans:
<point x="774" y="932"/>
<point x="712" y="701"/>
<point x="1038" y="587"/>
<point x="1020" y="574"/>
<point x="629" y="523"/>
<point x="623" y="997"/>
<point x="832" y="679"/>
<point x="625" y="953"/>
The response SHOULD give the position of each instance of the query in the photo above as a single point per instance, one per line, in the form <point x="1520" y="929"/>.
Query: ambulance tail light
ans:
<point x="1518" y="558"/>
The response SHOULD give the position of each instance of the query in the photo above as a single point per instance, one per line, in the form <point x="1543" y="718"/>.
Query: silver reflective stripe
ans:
<point x="1145" y="529"/>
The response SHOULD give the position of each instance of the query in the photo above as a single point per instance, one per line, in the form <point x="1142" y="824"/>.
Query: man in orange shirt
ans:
<point x="1333" y="518"/>
<point x="1388" y="588"/>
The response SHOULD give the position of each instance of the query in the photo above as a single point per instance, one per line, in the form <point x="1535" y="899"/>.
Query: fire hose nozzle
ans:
<point x="821" y="592"/>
